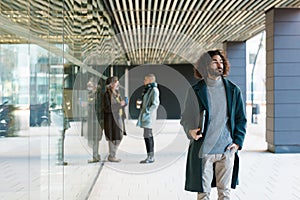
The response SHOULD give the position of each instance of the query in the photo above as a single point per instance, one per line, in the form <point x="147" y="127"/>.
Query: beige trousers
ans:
<point x="223" y="172"/>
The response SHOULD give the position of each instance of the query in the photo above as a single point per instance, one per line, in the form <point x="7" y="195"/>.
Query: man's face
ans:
<point x="215" y="69"/>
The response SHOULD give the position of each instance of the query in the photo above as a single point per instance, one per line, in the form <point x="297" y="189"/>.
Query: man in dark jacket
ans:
<point x="212" y="156"/>
<point x="94" y="130"/>
<point x="95" y="122"/>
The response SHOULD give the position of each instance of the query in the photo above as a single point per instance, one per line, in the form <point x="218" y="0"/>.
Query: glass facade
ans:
<point x="44" y="71"/>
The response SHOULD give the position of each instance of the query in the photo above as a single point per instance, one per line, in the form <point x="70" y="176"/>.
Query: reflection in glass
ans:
<point x="43" y="46"/>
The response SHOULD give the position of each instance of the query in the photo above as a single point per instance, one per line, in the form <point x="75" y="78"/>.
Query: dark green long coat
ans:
<point x="197" y="101"/>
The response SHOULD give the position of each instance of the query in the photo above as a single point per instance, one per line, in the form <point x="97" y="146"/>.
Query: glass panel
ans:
<point x="45" y="139"/>
<point x="49" y="51"/>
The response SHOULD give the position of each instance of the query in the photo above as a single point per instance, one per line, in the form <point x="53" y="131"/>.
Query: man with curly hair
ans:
<point x="212" y="156"/>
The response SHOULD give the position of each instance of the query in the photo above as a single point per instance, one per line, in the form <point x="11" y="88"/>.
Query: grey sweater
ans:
<point x="218" y="135"/>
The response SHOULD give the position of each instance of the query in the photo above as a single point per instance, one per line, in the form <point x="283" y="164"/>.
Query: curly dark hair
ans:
<point x="200" y="68"/>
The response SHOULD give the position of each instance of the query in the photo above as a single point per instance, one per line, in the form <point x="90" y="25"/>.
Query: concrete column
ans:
<point x="236" y="54"/>
<point x="283" y="80"/>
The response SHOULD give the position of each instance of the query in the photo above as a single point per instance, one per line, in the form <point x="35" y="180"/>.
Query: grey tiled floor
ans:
<point x="263" y="175"/>
<point x="28" y="169"/>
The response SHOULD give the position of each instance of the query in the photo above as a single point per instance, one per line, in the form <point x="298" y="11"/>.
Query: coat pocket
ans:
<point x="146" y="117"/>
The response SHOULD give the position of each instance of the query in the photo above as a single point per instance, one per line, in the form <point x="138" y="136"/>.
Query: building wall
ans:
<point x="283" y="80"/>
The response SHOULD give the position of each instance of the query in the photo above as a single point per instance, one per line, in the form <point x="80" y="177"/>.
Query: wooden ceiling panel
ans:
<point x="137" y="31"/>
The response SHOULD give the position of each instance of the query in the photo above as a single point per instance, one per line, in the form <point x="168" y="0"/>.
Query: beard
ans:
<point x="215" y="72"/>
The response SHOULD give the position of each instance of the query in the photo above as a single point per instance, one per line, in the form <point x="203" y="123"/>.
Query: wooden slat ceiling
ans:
<point x="137" y="31"/>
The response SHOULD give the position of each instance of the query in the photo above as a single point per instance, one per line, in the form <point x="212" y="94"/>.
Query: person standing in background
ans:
<point x="114" y="116"/>
<point x="95" y="121"/>
<point x="148" y="112"/>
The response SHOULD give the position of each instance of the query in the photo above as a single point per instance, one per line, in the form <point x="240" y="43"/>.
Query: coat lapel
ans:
<point x="229" y="96"/>
<point x="201" y="91"/>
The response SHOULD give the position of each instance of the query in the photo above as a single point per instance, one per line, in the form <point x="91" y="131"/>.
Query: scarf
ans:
<point x="147" y="87"/>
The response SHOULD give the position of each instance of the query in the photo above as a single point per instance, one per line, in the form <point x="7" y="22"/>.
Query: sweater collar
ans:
<point x="213" y="83"/>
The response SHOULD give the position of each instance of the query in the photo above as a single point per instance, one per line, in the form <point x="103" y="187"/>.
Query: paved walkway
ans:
<point x="29" y="170"/>
<point x="29" y="167"/>
<point x="263" y="175"/>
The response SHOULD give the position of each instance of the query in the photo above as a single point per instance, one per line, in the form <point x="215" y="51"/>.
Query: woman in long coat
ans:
<point x="148" y="113"/>
<point x="114" y="116"/>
